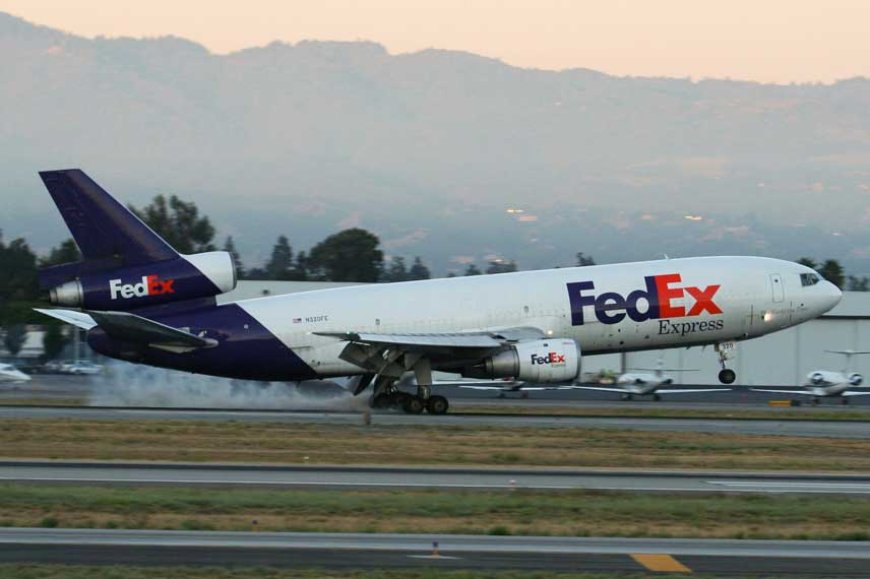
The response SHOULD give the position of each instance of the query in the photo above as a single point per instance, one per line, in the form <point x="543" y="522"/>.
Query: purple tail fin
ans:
<point x="108" y="234"/>
<point x="125" y="265"/>
<point x="103" y="228"/>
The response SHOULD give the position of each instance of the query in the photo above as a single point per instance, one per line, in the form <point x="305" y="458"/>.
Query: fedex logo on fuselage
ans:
<point x="656" y="301"/>
<point x="151" y="285"/>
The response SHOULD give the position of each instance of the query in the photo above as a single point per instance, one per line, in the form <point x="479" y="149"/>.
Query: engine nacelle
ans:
<point x="856" y="379"/>
<point x="188" y="277"/>
<point x="817" y="378"/>
<point x="543" y="361"/>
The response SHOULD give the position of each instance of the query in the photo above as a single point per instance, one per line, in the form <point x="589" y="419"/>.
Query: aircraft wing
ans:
<point x="507" y="386"/>
<point x="804" y="392"/>
<point x="377" y="352"/>
<point x="485" y="339"/>
<point x="133" y="328"/>
<point x="679" y="390"/>
<point x="854" y="393"/>
<point x="418" y="341"/>
<point x="601" y="388"/>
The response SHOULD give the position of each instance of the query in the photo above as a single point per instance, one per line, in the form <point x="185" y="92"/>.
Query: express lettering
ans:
<point x="151" y="285"/>
<point x="655" y="302"/>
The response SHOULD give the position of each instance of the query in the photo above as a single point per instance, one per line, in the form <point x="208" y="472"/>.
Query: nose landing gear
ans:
<point x="726" y="375"/>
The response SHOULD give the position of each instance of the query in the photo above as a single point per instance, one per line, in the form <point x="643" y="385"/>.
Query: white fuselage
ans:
<point x="606" y="308"/>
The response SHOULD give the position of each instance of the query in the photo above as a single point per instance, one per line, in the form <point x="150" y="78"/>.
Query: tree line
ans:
<point x="352" y="255"/>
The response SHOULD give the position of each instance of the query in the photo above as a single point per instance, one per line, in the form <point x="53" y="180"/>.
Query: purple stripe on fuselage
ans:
<point x="246" y="349"/>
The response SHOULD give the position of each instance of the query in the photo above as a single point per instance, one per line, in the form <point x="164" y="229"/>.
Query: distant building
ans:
<point x="780" y="359"/>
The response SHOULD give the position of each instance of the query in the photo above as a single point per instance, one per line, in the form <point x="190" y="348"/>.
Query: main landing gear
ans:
<point x="387" y="395"/>
<point x="410" y="403"/>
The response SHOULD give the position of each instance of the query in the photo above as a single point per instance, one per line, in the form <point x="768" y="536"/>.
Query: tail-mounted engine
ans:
<point x="542" y="361"/>
<point x="186" y="277"/>
<point x="856" y="379"/>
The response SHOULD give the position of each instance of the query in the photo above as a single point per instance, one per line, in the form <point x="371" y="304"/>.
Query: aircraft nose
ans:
<point x="831" y="297"/>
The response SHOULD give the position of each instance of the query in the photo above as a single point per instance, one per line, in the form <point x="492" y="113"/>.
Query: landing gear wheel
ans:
<point x="816" y="401"/>
<point x="382" y="401"/>
<point x="657" y="397"/>
<point x="727" y="376"/>
<point x="413" y="405"/>
<point x="398" y="399"/>
<point x="626" y="397"/>
<point x="844" y="402"/>
<point x="437" y="405"/>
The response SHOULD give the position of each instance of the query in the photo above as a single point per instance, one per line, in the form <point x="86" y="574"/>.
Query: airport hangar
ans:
<point x="780" y="359"/>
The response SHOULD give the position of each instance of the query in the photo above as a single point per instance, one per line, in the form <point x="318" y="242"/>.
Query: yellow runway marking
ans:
<point x="660" y="563"/>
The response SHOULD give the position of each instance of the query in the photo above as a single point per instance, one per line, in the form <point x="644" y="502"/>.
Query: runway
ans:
<point x="346" y="551"/>
<point x="812" y="428"/>
<point x="345" y="477"/>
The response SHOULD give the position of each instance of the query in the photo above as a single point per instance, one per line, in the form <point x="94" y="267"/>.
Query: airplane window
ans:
<point x="808" y="279"/>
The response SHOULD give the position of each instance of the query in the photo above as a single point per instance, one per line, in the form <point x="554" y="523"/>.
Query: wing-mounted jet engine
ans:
<point x="545" y="361"/>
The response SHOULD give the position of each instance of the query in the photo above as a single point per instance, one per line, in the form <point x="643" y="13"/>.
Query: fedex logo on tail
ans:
<point x="151" y="285"/>
<point x="656" y="301"/>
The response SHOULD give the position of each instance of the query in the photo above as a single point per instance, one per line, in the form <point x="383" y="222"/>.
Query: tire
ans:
<point x="381" y="401"/>
<point x="437" y="405"/>
<point x="727" y="376"/>
<point x="413" y="405"/>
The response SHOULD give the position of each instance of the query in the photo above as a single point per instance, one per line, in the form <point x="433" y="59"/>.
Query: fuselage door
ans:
<point x="776" y="287"/>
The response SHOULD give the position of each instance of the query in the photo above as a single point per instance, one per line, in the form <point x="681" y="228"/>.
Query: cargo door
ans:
<point x="778" y="292"/>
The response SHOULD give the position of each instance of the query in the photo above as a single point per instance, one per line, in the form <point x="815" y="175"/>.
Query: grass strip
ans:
<point x="757" y="412"/>
<point x="173" y="572"/>
<point x="293" y="443"/>
<point x="520" y="408"/>
<point x="520" y="512"/>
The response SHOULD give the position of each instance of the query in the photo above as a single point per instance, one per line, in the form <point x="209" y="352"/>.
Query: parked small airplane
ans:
<point x="143" y="302"/>
<point x="9" y="373"/>
<point x="647" y="382"/>
<point x="829" y="384"/>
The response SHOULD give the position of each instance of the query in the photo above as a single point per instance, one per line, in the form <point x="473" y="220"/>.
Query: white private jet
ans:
<point x="9" y="373"/>
<point x="647" y="382"/>
<point x="827" y="383"/>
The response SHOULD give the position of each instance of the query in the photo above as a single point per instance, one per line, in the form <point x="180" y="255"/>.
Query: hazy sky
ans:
<point x="764" y="40"/>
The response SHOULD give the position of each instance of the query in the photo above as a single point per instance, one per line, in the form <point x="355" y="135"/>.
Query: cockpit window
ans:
<point x="808" y="279"/>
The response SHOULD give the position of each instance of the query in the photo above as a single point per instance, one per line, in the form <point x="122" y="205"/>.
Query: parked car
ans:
<point x="82" y="368"/>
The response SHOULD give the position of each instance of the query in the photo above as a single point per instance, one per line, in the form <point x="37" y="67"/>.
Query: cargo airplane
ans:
<point x="143" y="302"/>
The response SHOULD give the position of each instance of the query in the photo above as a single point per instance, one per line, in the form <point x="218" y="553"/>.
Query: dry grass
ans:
<point x="755" y="412"/>
<point x="288" y="443"/>
<point x="566" y="513"/>
<point x="18" y="571"/>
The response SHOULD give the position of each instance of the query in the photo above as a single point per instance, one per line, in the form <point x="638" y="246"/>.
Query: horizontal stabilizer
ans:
<point x="77" y="319"/>
<point x="132" y="328"/>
